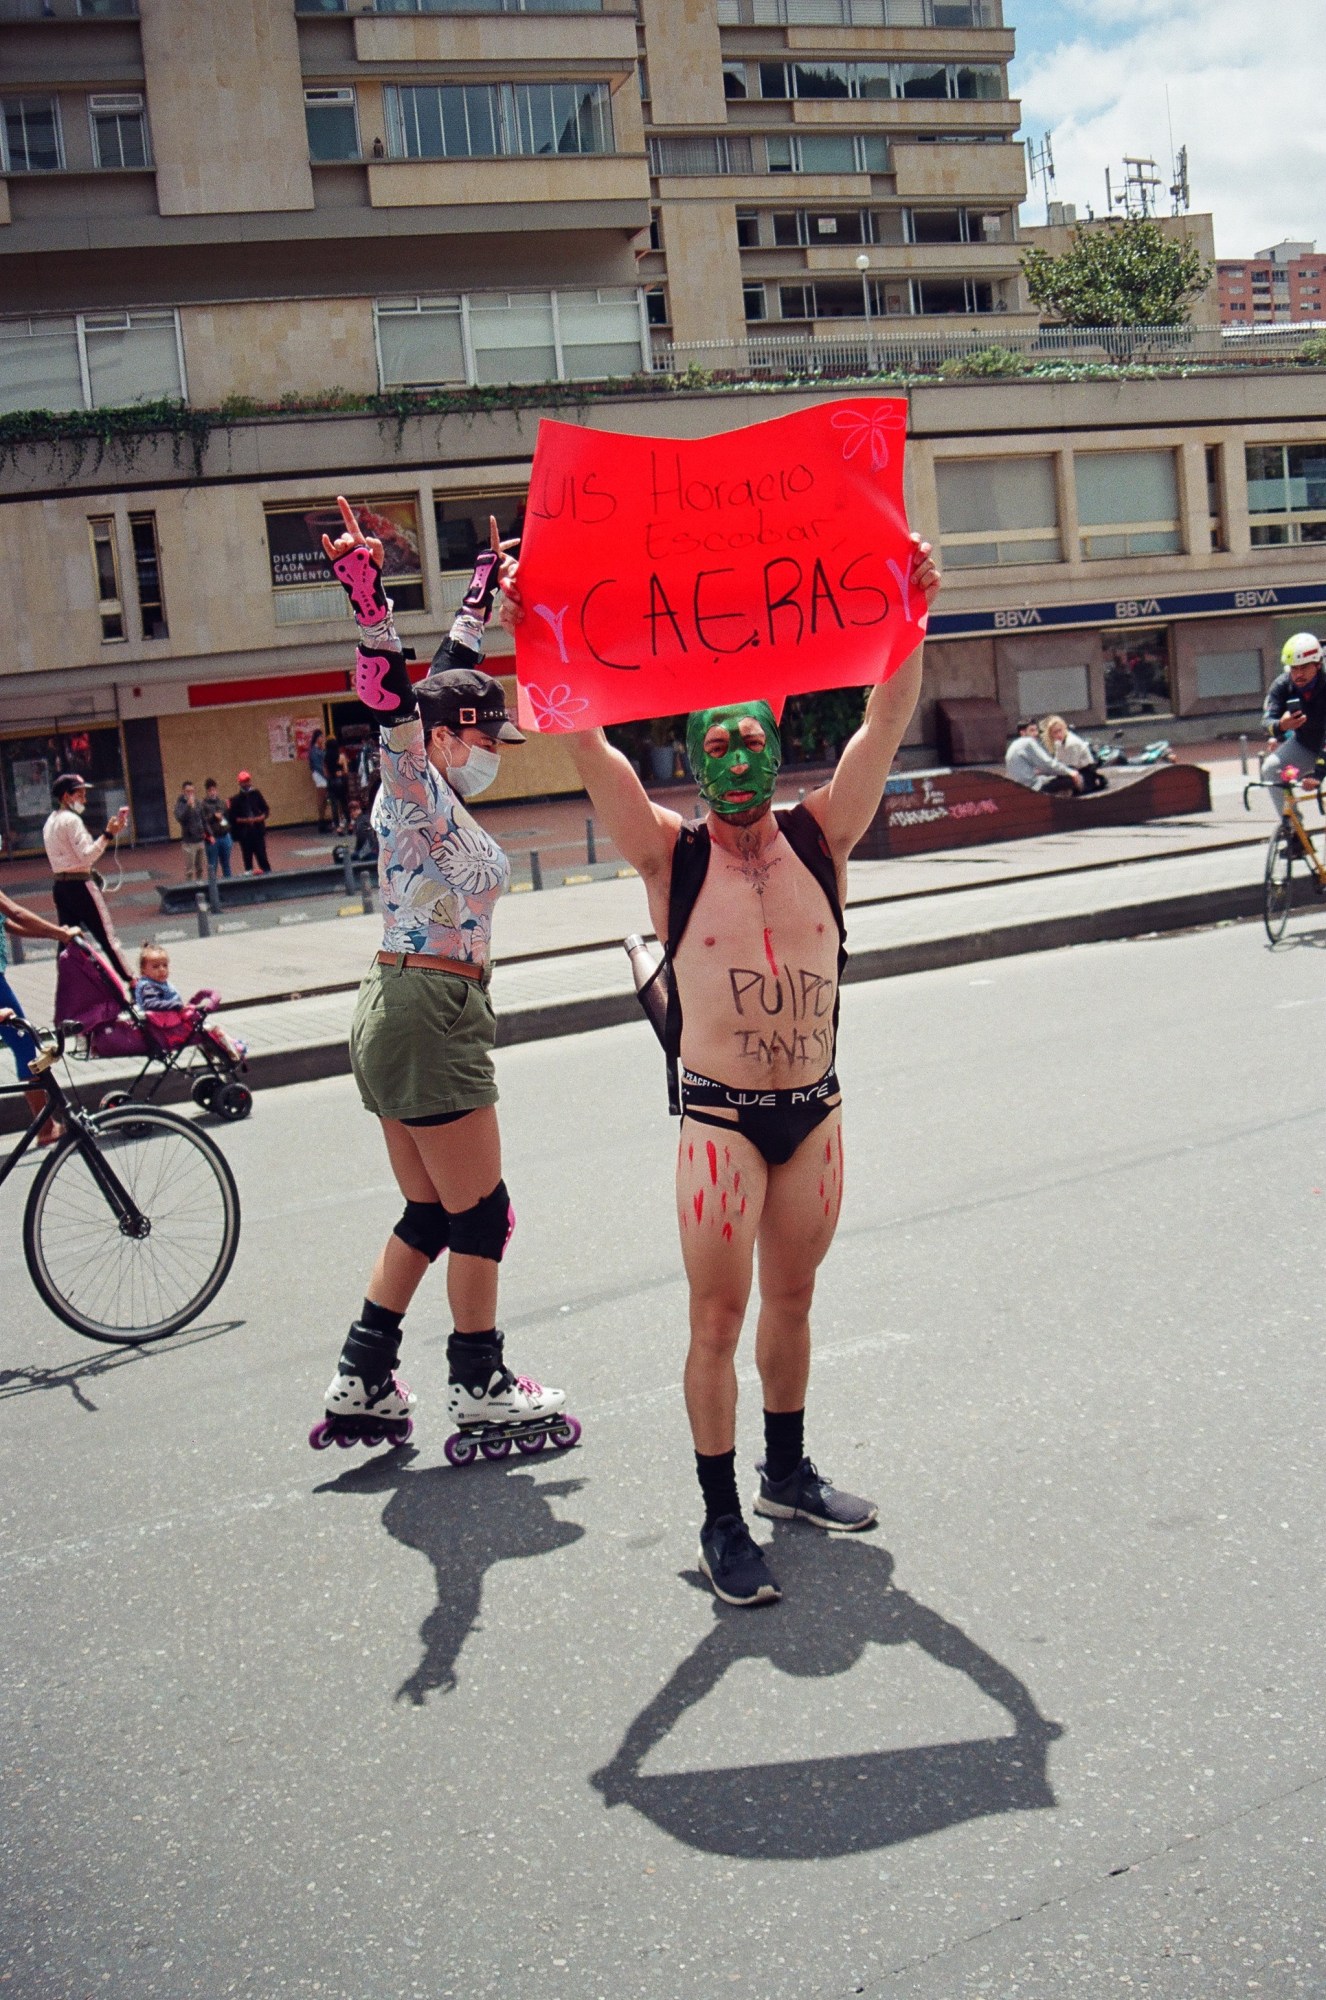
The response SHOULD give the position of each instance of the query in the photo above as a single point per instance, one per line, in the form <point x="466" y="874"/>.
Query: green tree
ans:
<point x="1120" y="273"/>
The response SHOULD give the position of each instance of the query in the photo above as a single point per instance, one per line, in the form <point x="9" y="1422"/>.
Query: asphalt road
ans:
<point x="278" y="1724"/>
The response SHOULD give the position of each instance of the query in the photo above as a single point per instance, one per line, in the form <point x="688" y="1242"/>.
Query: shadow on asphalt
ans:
<point x="839" y="1598"/>
<point x="74" y="1374"/>
<point x="463" y="1526"/>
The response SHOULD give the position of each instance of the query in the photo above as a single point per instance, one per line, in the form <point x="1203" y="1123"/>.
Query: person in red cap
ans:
<point x="248" y="818"/>
<point x="422" y="1038"/>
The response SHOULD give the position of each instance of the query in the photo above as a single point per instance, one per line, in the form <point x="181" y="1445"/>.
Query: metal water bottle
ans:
<point x="651" y="982"/>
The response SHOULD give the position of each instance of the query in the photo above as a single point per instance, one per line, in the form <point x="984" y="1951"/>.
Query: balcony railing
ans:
<point x="68" y="10"/>
<point x="883" y="346"/>
<point x="857" y="14"/>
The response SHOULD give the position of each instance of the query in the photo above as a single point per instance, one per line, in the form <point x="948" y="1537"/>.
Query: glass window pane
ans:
<point x="1267" y="491"/>
<point x="1307" y="476"/>
<point x="31" y="134"/>
<point x="778" y="152"/>
<point x="827" y="153"/>
<point x="1126" y="486"/>
<point x="820" y="79"/>
<point x="875" y="154"/>
<point x="936" y="225"/>
<point x="921" y="80"/>
<point x="133" y="364"/>
<point x="787" y="229"/>
<point x="814" y="13"/>
<point x="873" y="80"/>
<point x="996" y="493"/>
<point x="979" y="82"/>
<point x="39" y="366"/>
<point x="774" y="80"/>
<point x="421" y="347"/>
<point x="599" y="336"/>
<point x="1136" y="674"/>
<point x="332" y="134"/>
<point x="942" y="295"/>
<point x="513" y="339"/>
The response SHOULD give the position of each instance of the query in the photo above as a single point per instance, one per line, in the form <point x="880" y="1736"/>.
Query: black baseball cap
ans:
<point x="463" y="698"/>
<point x="68" y="781"/>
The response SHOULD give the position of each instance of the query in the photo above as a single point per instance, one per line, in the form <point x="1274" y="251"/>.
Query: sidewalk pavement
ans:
<point x="560" y="969"/>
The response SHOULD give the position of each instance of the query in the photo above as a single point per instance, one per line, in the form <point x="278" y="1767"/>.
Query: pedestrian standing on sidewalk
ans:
<point x="317" y="770"/>
<point x="750" y="903"/>
<point x="193" y="831"/>
<point x="338" y="786"/>
<point x="19" y="921"/>
<point x="248" y="819"/>
<point x="422" y="1037"/>
<point x="73" y="854"/>
<point x="217" y="822"/>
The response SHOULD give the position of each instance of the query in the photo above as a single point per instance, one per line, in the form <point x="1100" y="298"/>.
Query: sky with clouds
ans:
<point x="1247" y="96"/>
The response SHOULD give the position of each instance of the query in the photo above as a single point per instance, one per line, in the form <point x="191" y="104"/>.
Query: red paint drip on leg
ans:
<point x="828" y="1153"/>
<point x="769" y="953"/>
<point x="712" y="1150"/>
<point x="742" y="1209"/>
<point x="699" y="1206"/>
<point x="736" y="1178"/>
<point x="690" y="1152"/>
<point x="722" y="1202"/>
<point x="727" y="1232"/>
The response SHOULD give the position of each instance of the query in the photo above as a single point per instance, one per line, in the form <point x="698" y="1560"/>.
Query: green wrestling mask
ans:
<point x="736" y="782"/>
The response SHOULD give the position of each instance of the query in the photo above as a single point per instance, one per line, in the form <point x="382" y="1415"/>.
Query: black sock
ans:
<point x="717" y="1474"/>
<point x="784" y="1442"/>
<point x="381" y="1319"/>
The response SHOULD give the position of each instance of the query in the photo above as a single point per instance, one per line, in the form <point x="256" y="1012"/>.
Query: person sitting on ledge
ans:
<point x="1062" y="742"/>
<point x="1028" y="763"/>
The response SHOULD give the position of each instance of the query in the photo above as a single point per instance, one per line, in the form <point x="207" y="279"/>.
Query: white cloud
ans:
<point x="1246" y="90"/>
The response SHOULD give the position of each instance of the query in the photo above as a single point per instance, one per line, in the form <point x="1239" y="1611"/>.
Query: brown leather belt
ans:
<point x="430" y="961"/>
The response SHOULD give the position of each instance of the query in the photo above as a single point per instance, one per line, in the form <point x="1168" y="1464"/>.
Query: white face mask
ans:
<point x="475" y="774"/>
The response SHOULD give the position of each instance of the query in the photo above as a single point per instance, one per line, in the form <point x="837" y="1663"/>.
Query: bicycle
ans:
<point x="132" y="1224"/>
<point x="1290" y="841"/>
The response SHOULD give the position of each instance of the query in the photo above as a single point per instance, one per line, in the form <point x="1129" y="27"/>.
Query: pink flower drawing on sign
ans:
<point x="555" y="709"/>
<point x="868" y="427"/>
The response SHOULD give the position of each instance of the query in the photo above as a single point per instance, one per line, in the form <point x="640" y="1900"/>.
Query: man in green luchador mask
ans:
<point x="749" y="902"/>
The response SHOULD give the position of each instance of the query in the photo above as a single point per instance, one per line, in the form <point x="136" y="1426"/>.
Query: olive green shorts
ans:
<point x="421" y="1043"/>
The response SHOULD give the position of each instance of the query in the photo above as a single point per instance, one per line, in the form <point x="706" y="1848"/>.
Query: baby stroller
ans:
<point x="93" y="1000"/>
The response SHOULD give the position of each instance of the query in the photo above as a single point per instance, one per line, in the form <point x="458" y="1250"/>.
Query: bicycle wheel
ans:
<point x="1278" y="883"/>
<point x="129" y="1288"/>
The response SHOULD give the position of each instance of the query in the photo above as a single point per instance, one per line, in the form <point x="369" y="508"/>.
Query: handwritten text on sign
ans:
<point x="661" y="575"/>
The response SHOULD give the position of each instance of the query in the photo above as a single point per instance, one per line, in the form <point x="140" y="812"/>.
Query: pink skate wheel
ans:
<point x="565" y="1434"/>
<point x="495" y="1447"/>
<point x="372" y="1438"/>
<point x="529" y="1445"/>
<point x="403" y="1435"/>
<point x="321" y="1435"/>
<point x="459" y="1450"/>
<point x="346" y="1443"/>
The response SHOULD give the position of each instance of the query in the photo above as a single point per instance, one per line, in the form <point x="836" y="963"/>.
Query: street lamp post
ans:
<point x="863" y="266"/>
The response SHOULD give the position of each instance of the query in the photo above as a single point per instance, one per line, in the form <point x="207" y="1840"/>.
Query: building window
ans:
<point x="462" y="530"/>
<point x="855" y="13"/>
<point x="1137" y="676"/>
<point x="119" y="131"/>
<point x="89" y="361"/>
<point x="108" y="10"/>
<point x="734" y="80"/>
<point x="1215" y="497"/>
<point x="656" y="229"/>
<point x="147" y="572"/>
<point x="748" y="229"/>
<point x="753" y="302"/>
<point x="998" y="511"/>
<point x="880" y="80"/>
<point x="488" y="120"/>
<point x="106" y="572"/>
<point x="303" y="587"/>
<point x="656" y="306"/>
<point x="484" y="6"/>
<point x="482" y="337"/>
<point x="1288" y="481"/>
<point x="31" y="134"/>
<point x="937" y="296"/>
<point x="333" y="125"/>
<point x="713" y="153"/>
<point x="827" y="153"/>
<point x="1127" y="504"/>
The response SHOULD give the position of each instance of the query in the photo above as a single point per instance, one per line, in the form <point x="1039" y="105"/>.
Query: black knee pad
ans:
<point x="425" y="1227"/>
<point x="484" y="1230"/>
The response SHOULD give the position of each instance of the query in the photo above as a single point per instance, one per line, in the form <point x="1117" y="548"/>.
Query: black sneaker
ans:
<point x="734" y="1564"/>
<point x="805" y="1496"/>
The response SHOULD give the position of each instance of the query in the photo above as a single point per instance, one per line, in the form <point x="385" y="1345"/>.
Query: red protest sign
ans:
<point x="666" y="574"/>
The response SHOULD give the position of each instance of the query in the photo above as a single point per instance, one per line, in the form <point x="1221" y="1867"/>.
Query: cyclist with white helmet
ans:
<point x="1295" y="715"/>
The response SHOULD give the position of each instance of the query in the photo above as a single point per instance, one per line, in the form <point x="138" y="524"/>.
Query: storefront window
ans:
<point x="303" y="587"/>
<point x="995" y="511"/>
<point x="1137" y="670"/>
<point x="1128" y="504"/>
<point x="29" y="764"/>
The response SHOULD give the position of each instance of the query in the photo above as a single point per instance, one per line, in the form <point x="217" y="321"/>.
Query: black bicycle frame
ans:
<point x="83" y="1135"/>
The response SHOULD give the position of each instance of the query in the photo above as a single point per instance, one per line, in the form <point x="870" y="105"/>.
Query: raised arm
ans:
<point x="643" y="832"/>
<point x="847" y="804"/>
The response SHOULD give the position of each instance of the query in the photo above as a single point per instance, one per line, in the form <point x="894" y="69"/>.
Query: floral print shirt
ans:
<point x="440" y="873"/>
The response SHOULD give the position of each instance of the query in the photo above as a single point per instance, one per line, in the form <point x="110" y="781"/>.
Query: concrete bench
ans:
<point x="923" y="811"/>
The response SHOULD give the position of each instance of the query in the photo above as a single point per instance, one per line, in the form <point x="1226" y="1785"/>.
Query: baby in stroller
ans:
<point x="171" y="1034"/>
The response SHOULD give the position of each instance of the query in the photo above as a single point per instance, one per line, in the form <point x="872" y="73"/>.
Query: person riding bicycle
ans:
<point x="1294" y="714"/>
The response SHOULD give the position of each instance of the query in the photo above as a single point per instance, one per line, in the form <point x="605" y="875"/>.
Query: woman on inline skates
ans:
<point x="422" y="1037"/>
